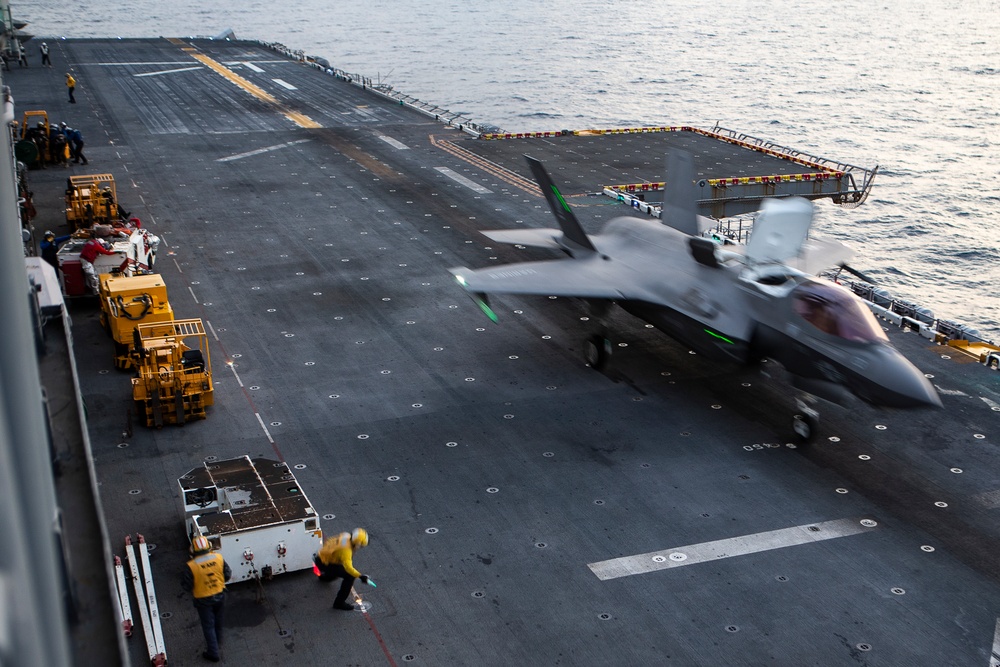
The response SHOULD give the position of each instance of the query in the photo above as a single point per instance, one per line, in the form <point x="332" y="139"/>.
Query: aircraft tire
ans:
<point x="804" y="427"/>
<point x="597" y="351"/>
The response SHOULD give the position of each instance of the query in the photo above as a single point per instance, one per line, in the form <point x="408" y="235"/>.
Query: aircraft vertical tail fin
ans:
<point x="680" y="198"/>
<point x="572" y="231"/>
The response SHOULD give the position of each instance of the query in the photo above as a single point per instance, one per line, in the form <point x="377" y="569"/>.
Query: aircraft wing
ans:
<point x="539" y="238"/>
<point x="558" y="277"/>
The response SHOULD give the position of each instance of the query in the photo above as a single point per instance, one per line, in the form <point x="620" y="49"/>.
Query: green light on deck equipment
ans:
<point x="719" y="336"/>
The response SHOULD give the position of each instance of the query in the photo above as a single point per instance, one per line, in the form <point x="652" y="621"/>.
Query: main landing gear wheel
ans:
<point x="597" y="351"/>
<point x="805" y="427"/>
<point x="805" y="423"/>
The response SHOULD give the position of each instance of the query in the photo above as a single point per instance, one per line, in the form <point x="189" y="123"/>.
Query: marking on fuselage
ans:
<point x="510" y="273"/>
<point x="284" y="84"/>
<point x="458" y="178"/>
<point x="730" y="547"/>
<point x="268" y="149"/>
<point x="395" y="144"/>
<point x="169" y="71"/>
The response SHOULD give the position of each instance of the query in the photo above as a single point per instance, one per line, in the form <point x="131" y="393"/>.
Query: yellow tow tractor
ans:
<point x="91" y="199"/>
<point x="127" y="301"/>
<point x="35" y="146"/>
<point x="174" y="372"/>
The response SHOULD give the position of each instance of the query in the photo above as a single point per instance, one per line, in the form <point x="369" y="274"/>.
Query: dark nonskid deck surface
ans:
<point x="591" y="162"/>
<point x="497" y="473"/>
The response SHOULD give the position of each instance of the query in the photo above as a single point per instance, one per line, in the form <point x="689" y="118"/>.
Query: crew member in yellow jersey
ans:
<point x="205" y="576"/>
<point x="335" y="561"/>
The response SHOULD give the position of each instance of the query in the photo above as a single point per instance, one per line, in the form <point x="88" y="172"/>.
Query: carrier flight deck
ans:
<point x="523" y="508"/>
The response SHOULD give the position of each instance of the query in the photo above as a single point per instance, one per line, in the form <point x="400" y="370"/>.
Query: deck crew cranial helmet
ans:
<point x="359" y="538"/>
<point x="200" y="544"/>
<point x="49" y="235"/>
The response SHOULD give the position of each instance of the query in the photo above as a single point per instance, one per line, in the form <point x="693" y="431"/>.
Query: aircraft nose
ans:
<point x="900" y="384"/>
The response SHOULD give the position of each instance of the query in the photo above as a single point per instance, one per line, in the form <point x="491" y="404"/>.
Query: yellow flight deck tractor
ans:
<point x="91" y="199"/>
<point x="174" y="373"/>
<point x="37" y="142"/>
<point x="127" y="301"/>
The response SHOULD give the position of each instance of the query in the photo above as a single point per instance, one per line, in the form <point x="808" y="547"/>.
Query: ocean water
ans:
<point x="913" y="87"/>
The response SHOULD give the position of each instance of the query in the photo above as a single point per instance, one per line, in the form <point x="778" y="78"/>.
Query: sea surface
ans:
<point x="913" y="87"/>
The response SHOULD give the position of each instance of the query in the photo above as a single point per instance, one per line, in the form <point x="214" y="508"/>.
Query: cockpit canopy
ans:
<point x="836" y="311"/>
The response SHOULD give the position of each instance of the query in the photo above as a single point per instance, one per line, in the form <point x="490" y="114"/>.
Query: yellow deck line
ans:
<point x="299" y="119"/>
<point x="505" y="175"/>
<point x="253" y="89"/>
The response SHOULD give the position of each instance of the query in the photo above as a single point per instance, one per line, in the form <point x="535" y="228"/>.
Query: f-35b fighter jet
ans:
<point x="734" y="303"/>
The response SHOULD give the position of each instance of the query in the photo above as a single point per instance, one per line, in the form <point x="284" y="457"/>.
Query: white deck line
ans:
<point x="266" y="432"/>
<point x="284" y="84"/>
<point x="458" y="178"/>
<point x="395" y="144"/>
<point x="728" y="548"/>
<point x="240" y="156"/>
<point x="169" y="71"/>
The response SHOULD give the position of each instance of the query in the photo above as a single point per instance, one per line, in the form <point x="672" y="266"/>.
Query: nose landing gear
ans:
<point x="597" y="351"/>
<point x="805" y="423"/>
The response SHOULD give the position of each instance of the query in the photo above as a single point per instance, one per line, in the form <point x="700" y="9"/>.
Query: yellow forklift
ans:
<point x="174" y="372"/>
<point x="91" y="199"/>
<point x="126" y="301"/>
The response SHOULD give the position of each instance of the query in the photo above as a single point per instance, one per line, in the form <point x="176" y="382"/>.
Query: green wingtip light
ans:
<point x="485" y="307"/>
<point x="719" y="336"/>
